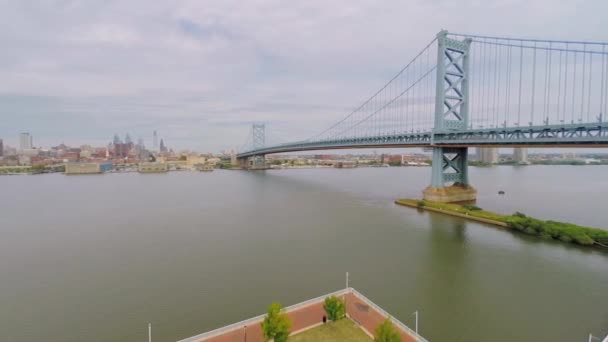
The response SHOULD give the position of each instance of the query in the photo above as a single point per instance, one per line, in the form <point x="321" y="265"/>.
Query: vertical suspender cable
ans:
<point x="499" y="67"/>
<point x="580" y="118"/>
<point x="488" y="87"/>
<point x="565" y="85"/>
<point x="559" y="88"/>
<point x="589" y="95"/>
<point x="521" y="61"/>
<point x="533" y="85"/>
<point x="546" y="84"/>
<point x="602" y="84"/>
<point x="508" y="91"/>
<point x="483" y="84"/>
<point x="550" y="51"/>
<point x="410" y="123"/>
<point x="573" y="88"/>
<point x="495" y="83"/>
<point x="414" y="94"/>
<point x="428" y="83"/>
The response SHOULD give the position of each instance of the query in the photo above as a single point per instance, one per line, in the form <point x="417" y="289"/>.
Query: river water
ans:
<point x="95" y="258"/>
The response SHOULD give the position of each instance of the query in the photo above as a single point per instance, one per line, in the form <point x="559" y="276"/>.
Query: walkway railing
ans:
<point x="259" y="318"/>
<point x="386" y="314"/>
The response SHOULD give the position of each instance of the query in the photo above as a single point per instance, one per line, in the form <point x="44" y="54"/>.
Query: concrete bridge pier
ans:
<point x="253" y="163"/>
<point x="258" y="162"/>
<point x="450" y="179"/>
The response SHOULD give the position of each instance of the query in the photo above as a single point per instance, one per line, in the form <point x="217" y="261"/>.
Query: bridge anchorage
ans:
<point x="466" y="91"/>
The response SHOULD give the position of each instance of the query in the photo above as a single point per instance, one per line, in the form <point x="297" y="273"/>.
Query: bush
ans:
<point x="276" y="324"/>
<point x="471" y="207"/>
<point x="565" y="232"/>
<point x="386" y="332"/>
<point x="420" y="204"/>
<point x="334" y="307"/>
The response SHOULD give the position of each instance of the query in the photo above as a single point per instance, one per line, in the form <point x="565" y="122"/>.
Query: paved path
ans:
<point x="359" y="310"/>
<point x="364" y="314"/>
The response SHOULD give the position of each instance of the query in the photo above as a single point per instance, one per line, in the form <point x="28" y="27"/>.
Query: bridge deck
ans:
<point x="571" y="135"/>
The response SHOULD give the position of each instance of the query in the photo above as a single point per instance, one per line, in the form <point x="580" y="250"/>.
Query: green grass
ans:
<point x="342" y="330"/>
<point x="565" y="232"/>
<point x="457" y="208"/>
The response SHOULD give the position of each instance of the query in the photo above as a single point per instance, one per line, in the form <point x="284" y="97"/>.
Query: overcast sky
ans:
<point x="200" y="72"/>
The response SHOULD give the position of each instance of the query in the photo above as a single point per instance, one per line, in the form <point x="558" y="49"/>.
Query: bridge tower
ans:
<point x="449" y="181"/>
<point x="258" y="132"/>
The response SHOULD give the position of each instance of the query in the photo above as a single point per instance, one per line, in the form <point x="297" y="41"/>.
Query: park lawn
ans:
<point x="342" y="330"/>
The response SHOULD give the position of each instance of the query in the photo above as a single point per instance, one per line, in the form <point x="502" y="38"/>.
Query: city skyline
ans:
<point x="86" y="70"/>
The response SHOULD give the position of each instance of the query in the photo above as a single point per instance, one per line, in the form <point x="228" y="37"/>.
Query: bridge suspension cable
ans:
<point x="403" y="104"/>
<point x="555" y="84"/>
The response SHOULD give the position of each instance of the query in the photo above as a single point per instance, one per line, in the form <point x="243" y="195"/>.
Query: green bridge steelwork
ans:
<point x="466" y="91"/>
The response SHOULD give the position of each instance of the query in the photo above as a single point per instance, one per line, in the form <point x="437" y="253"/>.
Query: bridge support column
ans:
<point x="450" y="181"/>
<point x="258" y="162"/>
<point x="243" y="163"/>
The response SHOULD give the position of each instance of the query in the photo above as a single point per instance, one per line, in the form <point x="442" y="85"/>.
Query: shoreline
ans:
<point x="518" y="222"/>
<point x="455" y="214"/>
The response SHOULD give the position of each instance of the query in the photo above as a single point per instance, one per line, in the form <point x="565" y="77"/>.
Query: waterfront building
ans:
<point x="87" y="168"/>
<point x="121" y="150"/>
<point x="520" y="155"/>
<point x="25" y="141"/>
<point x="152" y="167"/>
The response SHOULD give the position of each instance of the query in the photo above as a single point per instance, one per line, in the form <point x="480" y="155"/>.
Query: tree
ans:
<point x="386" y="332"/>
<point x="334" y="307"/>
<point x="276" y="324"/>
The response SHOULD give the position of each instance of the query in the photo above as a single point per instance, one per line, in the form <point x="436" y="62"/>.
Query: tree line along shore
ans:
<point x="549" y="230"/>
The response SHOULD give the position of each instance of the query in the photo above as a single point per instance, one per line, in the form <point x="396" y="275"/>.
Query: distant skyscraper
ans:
<point x="128" y="139"/>
<point x="117" y="139"/>
<point x="1" y="148"/>
<point x="140" y="143"/>
<point x="163" y="148"/>
<point x="520" y="155"/>
<point x="155" y="141"/>
<point x="25" y="141"/>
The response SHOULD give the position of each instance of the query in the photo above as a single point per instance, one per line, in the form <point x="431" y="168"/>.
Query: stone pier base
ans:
<point x="453" y="193"/>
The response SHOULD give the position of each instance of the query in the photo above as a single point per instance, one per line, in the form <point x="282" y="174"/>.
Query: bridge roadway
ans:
<point x="566" y="135"/>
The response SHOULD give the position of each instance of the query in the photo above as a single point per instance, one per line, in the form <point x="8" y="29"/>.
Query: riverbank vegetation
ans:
<point x="276" y="324"/>
<point x="334" y="307"/>
<point x="386" y="332"/>
<point x="550" y="230"/>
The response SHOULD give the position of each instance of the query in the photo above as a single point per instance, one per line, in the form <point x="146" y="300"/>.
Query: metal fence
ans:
<point x="395" y="321"/>
<point x="258" y="319"/>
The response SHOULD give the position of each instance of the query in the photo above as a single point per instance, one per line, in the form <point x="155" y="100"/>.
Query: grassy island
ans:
<point x="551" y="230"/>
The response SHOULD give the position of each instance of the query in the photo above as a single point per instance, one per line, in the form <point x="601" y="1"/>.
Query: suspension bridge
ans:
<point x="464" y="91"/>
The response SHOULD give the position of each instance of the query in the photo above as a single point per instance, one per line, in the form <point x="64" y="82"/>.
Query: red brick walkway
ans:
<point x="358" y="309"/>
